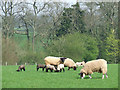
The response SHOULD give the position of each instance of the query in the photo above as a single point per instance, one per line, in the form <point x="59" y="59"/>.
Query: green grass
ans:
<point x="68" y="79"/>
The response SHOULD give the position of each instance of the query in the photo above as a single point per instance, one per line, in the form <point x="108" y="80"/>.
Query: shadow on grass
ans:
<point x="89" y="78"/>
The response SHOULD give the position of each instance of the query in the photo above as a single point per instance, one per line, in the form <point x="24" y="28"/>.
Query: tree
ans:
<point x="112" y="48"/>
<point x="71" y="21"/>
<point x="8" y="15"/>
<point x="100" y="18"/>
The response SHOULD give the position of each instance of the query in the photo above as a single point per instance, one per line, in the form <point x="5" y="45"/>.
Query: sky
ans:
<point x="69" y="1"/>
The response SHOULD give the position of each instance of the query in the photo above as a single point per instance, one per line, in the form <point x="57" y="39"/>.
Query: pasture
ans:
<point x="68" y="79"/>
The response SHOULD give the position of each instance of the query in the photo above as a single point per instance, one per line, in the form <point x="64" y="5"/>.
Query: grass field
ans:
<point x="68" y="79"/>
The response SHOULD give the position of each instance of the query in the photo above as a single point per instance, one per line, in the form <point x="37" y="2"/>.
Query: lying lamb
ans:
<point x="99" y="66"/>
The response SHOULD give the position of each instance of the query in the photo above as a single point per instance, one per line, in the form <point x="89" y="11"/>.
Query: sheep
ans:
<point x="70" y="64"/>
<point x="60" y="68"/>
<point x="50" y="67"/>
<point x="80" y="63"/>
<point x="50" y="60"/>
<point x="41" y="66"/>
<point x="20" y="68"/>
<point x="99" y="66"/>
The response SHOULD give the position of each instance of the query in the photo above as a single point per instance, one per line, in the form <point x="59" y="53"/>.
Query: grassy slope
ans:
<point x="68" y="79"/>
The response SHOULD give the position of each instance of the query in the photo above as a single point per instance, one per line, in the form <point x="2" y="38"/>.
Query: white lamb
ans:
<point x="61" y="67"/>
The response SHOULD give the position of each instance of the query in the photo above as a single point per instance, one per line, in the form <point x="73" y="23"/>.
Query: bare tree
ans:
<point x="8" y="15"/>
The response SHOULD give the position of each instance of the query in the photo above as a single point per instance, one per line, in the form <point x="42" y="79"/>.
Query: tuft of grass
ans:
<point x="68" y="79"/>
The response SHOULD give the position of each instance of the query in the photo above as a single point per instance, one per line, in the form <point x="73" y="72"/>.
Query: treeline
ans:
<point x="84" y="31"/>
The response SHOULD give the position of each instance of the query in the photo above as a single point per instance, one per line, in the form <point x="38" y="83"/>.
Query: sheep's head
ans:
<point x="18" y="70"/>
<point x="53" y="68"/>
<point x="74" y="67"/>
<point x="82" y="73"/>
<point x="82" y="63"/>
<point x="62" y="59"/>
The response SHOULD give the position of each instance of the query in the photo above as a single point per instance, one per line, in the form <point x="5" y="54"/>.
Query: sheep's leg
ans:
<point x="51" y="70"/>
<point x="106" y="75"/>
<point x="90" y="76"/>
<point x="63" y="70"/>
<point x="82" y="77"/>
<point x="46" y="70"/>
<point x="68" y="68"/>
<point x="24" y="69"/>
<point x="37" y="69"/>
<point x="103" y="76"/>
<point x="43" y="69"/>
<point x="103" y="71"/>
<point x="60" y="70"/>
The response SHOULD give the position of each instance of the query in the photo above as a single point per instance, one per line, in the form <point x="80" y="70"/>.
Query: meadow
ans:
<point x="68" y="79"/>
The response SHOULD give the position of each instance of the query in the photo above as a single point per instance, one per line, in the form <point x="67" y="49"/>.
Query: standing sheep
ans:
<point x="70" y="63"/>
<point x="41" y="66"/>
<point x="20" y="68"/>
<point x="60" y="68"/>
<point x="99" y="66"/>
<point x="50" y="60"/>
<point x="50" y="67"/>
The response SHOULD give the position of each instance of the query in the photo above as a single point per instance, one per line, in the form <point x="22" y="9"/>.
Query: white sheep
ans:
<point x="60" y="67"/>
<point x="50" y="60"/>
<point x="99" y="66"/>
<point x="80" y="63"/>
<point x="50" y="67"/>
<point x="70" y="63"/>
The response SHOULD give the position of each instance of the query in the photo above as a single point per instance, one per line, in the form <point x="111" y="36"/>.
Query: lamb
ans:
<point x="50" y="60"/>
<point x="70" y="63"/>
<point x="60" y="68"/>
<point x="20" y="68"/>
<point x="80" y="63"/>
<point x="41" y="66"/>
<point x="50" y="67"/>
<point x="99" y="66"/>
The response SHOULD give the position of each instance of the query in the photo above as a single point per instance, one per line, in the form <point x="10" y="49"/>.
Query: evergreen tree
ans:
<point x="112" y="47"/>
<point x="71" y="21"/>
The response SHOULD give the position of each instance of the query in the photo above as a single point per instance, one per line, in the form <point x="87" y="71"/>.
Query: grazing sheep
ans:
<point x="50" y="67"/>
<point x="50" y="60"/>
<point x="41" y="66"/>
<point x="99" y="66"/>
<point x="60" y="68"/>
<point x="80" y="63"/>
<point x="20" y="68"/>
<point x="70" y="63"/>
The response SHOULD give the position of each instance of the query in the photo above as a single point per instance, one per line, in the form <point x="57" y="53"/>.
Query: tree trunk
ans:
<point x="33" y="40"/>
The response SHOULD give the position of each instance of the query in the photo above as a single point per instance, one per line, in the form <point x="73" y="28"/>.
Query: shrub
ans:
<point x="75" y="46"/>
<point x="9" y="51"/>
<point x="32" y="58"/>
